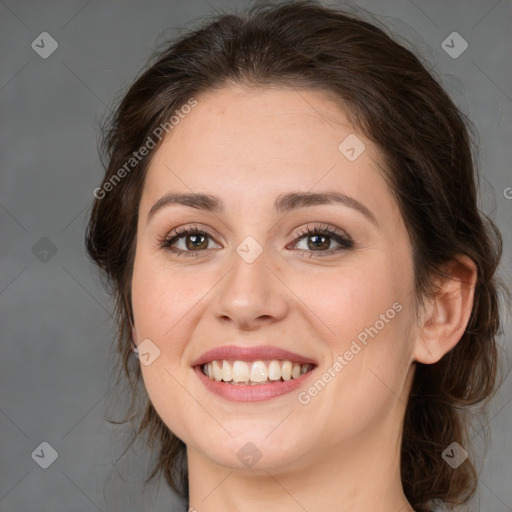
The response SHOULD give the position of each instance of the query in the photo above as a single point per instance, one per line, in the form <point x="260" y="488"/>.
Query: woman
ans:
<point x="289" y="221"/>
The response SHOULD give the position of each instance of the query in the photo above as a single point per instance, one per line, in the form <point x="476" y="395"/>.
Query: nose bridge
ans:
<point x="250" y="293"/>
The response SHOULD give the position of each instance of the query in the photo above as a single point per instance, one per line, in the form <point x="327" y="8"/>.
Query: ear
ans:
<point x="447" y="313"/>
<point x="134" y="334"/>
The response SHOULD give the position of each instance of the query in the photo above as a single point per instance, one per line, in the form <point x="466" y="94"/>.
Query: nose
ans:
<point x="251" y="295"/>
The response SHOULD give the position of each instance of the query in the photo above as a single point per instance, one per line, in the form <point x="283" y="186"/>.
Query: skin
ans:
<point x="340" y="451"/>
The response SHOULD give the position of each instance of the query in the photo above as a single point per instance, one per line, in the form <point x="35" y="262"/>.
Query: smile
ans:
<point x="252" y="373"/>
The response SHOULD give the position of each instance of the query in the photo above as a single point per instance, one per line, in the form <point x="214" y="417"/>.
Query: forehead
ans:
<point x="254" y="143"/>
<point x="236" y="122"/>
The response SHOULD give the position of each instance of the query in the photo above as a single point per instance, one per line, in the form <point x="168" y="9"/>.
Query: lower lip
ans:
<point x="249" y="392"/>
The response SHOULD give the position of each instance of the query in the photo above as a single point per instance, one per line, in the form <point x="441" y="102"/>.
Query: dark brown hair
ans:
<point x="427" y="145"/>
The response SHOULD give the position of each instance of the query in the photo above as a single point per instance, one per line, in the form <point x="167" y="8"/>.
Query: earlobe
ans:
<point x="134" y="348"/>
<point x="448" y="311"/>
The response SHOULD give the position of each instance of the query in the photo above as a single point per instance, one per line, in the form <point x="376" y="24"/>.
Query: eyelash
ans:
<point x="345" y="242"/>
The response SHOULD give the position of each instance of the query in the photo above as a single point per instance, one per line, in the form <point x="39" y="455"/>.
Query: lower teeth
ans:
<point x="249" y="383"/>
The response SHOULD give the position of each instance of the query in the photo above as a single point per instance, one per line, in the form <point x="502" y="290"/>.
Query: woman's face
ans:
<point x="249" y="278"/>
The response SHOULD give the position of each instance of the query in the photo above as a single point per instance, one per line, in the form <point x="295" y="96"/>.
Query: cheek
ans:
<point x="363" y="315"/>
<point x="369" y="353"/>
<point x="163" y="305"/>
<point x="349" y="300"/>
<point x="161" y="297"/>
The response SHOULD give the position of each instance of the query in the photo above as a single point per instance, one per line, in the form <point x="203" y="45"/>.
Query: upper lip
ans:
<point x="256" y="353"/>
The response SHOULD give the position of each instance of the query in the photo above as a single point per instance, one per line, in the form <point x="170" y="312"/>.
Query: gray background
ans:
<point x="55" y="317"/>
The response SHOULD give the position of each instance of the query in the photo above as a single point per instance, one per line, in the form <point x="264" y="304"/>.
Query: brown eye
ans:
<point x="319" y="240"/>
<point x="196" y="242"/>
<point x="187" y="241"/>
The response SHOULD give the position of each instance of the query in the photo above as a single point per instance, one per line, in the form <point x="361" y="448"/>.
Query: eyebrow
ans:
<point x="282" y="205"/>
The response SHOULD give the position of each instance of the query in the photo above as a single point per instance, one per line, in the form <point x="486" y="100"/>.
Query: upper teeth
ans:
<point x="255" y="372"/>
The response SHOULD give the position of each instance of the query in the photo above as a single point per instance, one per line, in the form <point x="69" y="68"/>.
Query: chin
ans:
<point x="255" y="453"/>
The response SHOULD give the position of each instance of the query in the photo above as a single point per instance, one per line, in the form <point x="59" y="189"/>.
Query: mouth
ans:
<point x="254" y="373"/>
<point x="246" y="374"/>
